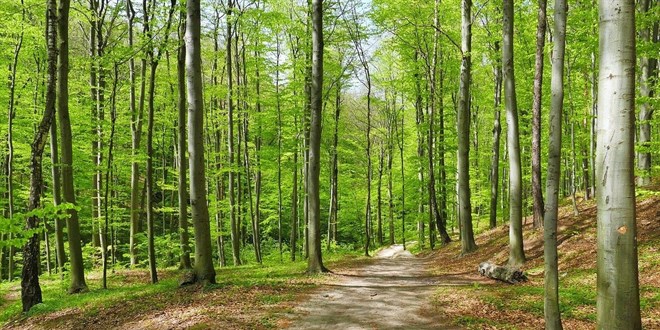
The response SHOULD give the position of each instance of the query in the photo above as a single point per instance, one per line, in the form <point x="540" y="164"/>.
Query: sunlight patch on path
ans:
<point x="391" y="293"/>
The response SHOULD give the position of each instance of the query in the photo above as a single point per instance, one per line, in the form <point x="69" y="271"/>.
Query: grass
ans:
<point x="129" y="291"/>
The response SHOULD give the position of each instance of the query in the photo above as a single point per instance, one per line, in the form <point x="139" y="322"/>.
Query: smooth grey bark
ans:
<point x="648" y="79"/>
<point x="516" y="252"/>
<point x="465" y="209"/>
<point x="234" y="224"/>
<point x="617" y="282"/>
<point x="182" y="191"/>
<point x="315" y="261"/>
<point x="550" y="216"/>
<point x="497" y="131"/>
<point x="204" y="270"/>
<point x="77" y="270"/>
<point x="136" y="134"/>
<point x="537" y="193"/>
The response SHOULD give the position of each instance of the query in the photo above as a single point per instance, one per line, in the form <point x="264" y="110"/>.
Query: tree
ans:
<point x="551" y="292"/>
<point x="234" y="223"/>
<point x="315" y="261"/>
<point x="30" y="288"/>
<point x="200" y="213"/>
<point x="618" y="285"/>
<point x="516" y="253"/>
<point x="649" y="67"/>
<point x="73" y="225"/>
<point x="136" y="136"/>
<point x="465" y="208"/>
<point x="184" y="262"/>
<point x="537" y="193"/>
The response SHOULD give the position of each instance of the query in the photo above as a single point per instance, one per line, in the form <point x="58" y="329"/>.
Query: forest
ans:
<point x="240" y="164"/>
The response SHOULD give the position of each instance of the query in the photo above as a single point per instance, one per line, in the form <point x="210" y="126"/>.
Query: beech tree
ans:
<point x="315" y="261"/>
<point x="550" y="216"/>
<point x="200" y="213"/>
<point x="465" y="207"/>
<point x="77" y="271"/>
<point x="516" y="253"/>
<point x="618" y="284"/>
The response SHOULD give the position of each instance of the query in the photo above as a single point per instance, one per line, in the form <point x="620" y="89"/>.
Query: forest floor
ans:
<point x="435" y="289"/>
<point x="498" y="305"/>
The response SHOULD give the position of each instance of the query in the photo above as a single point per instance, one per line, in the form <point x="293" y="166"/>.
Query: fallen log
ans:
<point x="506" y="274"/>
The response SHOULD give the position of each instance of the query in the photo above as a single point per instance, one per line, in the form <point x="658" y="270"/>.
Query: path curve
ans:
<point x="391" y="293"/>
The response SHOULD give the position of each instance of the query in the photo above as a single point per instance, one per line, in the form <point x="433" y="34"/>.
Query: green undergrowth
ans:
<point x="131" y="288"/>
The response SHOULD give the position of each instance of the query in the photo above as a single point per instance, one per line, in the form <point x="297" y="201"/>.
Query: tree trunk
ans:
<point x="648" y="69"/>
<point x="235" y="226"/>
<point x="204" y="270"/>
<point x="537" y="194"/>
<point x="184" y="260"/>
<point x="516" y="253"/>
<point x="497" y="130"/>
<point x="334" y="173"/>
<point x="618" y="285"/>
<point x="151" y="249"/>
<point x="551" y="292"/>
<point x="315" y="261"/>
<point x="279" y="148"/>
<point x="113" y="120"/>
<point x="136" y="134"/>
<point x="294" y="205"/>
<point x="30" y="288"/>
<point x="379" y="193"/>
<point x="10" y="133"/>
<point x="465" y="208"/>
<point x="403" y="181"/>
<point x="73" y="225"/>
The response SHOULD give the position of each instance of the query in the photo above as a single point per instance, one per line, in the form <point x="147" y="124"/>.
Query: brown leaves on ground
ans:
<point x="501" y="306"/>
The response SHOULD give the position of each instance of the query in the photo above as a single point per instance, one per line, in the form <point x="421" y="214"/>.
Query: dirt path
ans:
<point x="391" y="293"/>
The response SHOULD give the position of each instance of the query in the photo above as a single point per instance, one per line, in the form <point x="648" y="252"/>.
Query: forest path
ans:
<point x="393" y="292"/>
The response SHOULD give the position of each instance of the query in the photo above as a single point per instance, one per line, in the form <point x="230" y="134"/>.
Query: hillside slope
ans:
<point x="497" y="305"/>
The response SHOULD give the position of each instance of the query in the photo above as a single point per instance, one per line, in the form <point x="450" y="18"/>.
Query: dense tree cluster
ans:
<point x="280" y="127"/>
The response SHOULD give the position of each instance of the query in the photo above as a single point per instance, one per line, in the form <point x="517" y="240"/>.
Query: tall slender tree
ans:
<point x="516" y="252"/>
<point x="618" y="284"/>
<point x="537" y="194"/>
<point x="551" y="292"/>
<point x="184" y="261"/>
<point x="73" y="225"/>
<point x="465" y="208"/>
<point x="30" y="288"/>
<point x="233" y="208"/>
<point x="648" y="80"/>
<point x="200" y="213"/>
<point x="315" y="261"/>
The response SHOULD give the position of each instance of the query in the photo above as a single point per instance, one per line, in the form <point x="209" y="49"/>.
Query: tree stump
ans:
<point x="506" y="274"/>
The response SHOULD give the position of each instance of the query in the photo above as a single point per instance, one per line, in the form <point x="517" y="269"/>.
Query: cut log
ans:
<point x="502" y="273"/>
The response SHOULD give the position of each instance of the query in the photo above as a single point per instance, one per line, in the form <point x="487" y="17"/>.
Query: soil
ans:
<point x="392" y="292"/>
